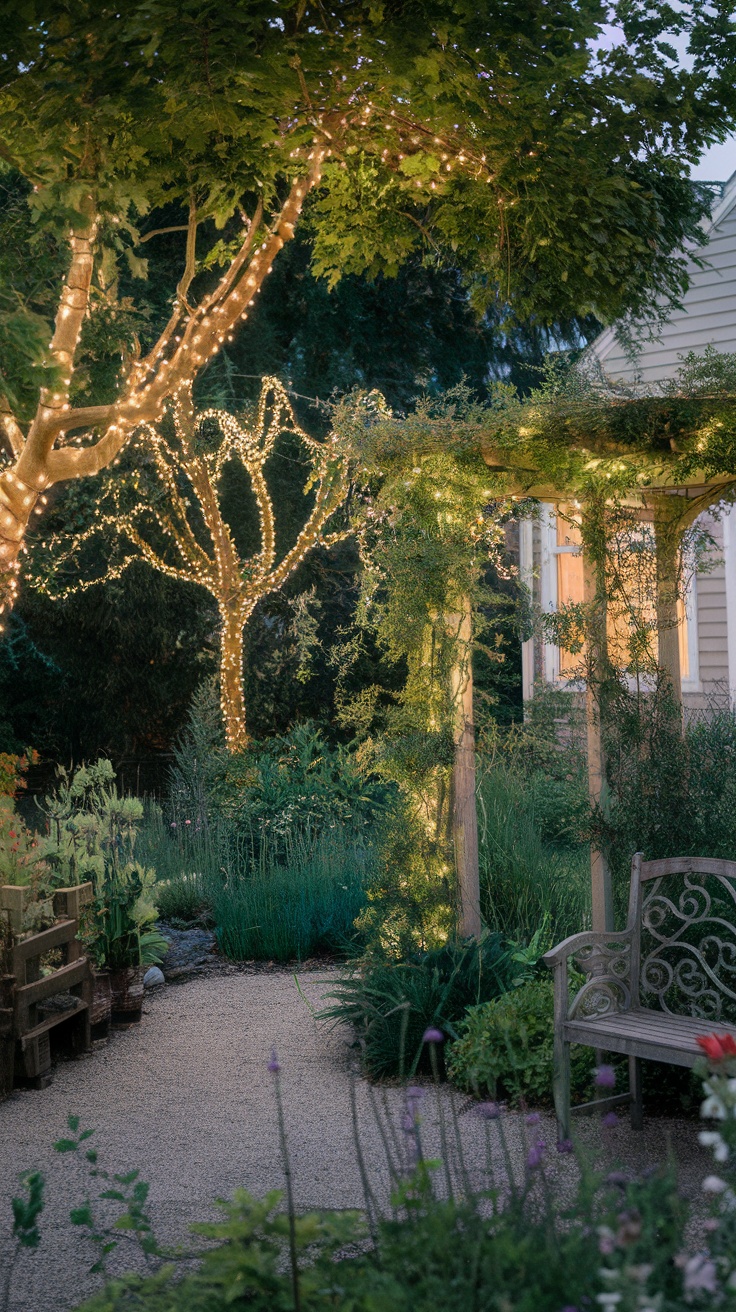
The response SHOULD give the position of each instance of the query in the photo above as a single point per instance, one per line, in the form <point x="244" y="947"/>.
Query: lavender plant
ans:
<point x="617" y="1243"/>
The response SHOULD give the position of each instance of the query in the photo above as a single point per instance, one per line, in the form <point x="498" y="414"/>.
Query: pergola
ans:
<point x="649" y="449"/>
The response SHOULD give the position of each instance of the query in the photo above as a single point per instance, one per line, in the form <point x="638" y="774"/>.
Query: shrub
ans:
<point x="297" y="785"/>
<point x="526" y="879"/>
<point x="289" y="911"/>
<point x="671" y="792"/>
<point x="505" y="1048"/>
<point x="390" y="1005"/>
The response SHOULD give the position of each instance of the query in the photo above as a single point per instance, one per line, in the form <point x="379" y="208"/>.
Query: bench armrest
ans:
<point x="607" y="986"/>
<point x="587" y="938"/>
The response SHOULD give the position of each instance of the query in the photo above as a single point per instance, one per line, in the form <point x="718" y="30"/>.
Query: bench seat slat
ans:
<point x="652" y="1034"/>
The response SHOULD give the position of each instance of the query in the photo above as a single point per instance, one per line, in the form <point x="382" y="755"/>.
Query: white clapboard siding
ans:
<point x="712" y="619"/>
<point x="708" y="314"/>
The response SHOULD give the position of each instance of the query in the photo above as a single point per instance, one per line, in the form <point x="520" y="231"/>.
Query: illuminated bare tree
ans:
<point x="176" y="522"/>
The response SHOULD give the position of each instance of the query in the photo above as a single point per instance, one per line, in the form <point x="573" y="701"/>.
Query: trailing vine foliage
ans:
<point x="579" y="433"/>
<point x="428" y="523"/>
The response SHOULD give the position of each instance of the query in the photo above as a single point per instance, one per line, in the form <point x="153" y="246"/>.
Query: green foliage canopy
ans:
<point x="551" y="168"/>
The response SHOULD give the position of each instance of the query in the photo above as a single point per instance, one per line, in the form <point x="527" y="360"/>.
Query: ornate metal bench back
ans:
<point x="683" y="914"/>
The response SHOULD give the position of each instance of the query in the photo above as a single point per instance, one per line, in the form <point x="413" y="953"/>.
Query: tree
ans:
<point x="171" y="511"/>
<point x="554" y="170"/>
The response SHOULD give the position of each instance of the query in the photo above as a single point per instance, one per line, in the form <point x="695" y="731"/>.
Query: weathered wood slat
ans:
<point x="37" y="946"/>
<point x="687" y="865"/>
<point x="50" y="1023"/>
<point x="61" y="980"/>
<point x="69" y="901"/>
<point x="645" y="1034"/>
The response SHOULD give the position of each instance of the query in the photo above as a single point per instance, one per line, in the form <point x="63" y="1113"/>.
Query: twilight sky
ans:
<point x="718" y="163"/>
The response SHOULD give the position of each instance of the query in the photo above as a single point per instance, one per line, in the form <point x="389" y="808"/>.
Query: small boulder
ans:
<point x="153" y="977"/>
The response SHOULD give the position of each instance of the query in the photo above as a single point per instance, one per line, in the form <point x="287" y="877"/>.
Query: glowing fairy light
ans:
<point x="161" y="530"/>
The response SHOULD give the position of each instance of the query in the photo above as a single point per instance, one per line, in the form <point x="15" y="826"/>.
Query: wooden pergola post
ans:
<point x="594" y="576"/>
<point x="464" y="808"/>
<point x="668" y="529"/>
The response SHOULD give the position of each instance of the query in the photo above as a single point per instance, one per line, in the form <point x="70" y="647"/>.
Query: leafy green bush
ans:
<point x="672" y="792"/>
<point x="297" y="786"/>
<point x="534" y="822"/>
<point x="389" y="1005"/>
<point x="294" y="910"/>
<point x="526" y="879"/>
<point x="505" y="1049"/>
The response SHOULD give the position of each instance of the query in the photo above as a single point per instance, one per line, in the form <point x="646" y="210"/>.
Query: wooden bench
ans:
<point x="33" y="1004"/>
<point x="652" y="988"/>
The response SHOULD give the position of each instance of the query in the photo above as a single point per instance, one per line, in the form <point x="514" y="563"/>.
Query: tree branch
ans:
<point x="159" y="232"/>
<point x="190" y="262"/>
<point x="13" y="432"/>
<point x="205" y="331"/>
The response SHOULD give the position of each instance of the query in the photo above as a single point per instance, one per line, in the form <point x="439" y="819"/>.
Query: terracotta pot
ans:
<point x="101" y="1009"/>
<point x="127" y="993"/>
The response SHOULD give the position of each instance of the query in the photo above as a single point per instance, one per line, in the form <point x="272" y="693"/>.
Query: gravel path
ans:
<point x="187" y="1097"/>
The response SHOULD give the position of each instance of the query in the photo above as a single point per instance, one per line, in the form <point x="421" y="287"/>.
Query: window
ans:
<point x="631" y="614"/>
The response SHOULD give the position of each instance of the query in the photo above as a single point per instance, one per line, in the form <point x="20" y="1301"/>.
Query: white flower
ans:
<point x="713" y="1109"/>
<point x="713" y="1184"/>
<point x="608" y="1300"/>
<point x="639" y="1273"/>
<point x="712" y="1139"/>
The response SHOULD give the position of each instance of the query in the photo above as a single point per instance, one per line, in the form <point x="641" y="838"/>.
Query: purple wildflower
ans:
<point x="489" y="1111"/>
<point x="609" y="1120"/>
<point x="700" y="1273"/>
<point x="274" y="1065"/>
<point x="433" y="1035"/>
<point x="536" y="1156"/>
<point x="173" y="824"/>
<point x="565" y="1146"/>
<point x="605" y="1077"/>
<point x="533" y="1118"/>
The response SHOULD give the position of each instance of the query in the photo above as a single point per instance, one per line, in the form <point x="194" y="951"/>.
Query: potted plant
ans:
<point x="91" y="833"/>
<point x="124" y="940"/>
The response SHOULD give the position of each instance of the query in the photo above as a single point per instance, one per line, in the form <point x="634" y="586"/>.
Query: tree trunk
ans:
<point x="667" y="511"/>
<point x="595" y="598"/>
<point x="232" y="695"/>
<point x="464" y="810"/>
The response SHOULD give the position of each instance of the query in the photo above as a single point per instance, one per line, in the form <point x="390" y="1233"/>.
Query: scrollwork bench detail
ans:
<point x="652" y="988"/>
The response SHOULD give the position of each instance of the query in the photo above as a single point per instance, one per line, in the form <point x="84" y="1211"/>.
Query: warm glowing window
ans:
<point x="631" y="618"/>
<point x="570" y="584"/>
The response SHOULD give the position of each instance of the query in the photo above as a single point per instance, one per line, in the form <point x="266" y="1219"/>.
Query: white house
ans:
<point x="548" y="560"/>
